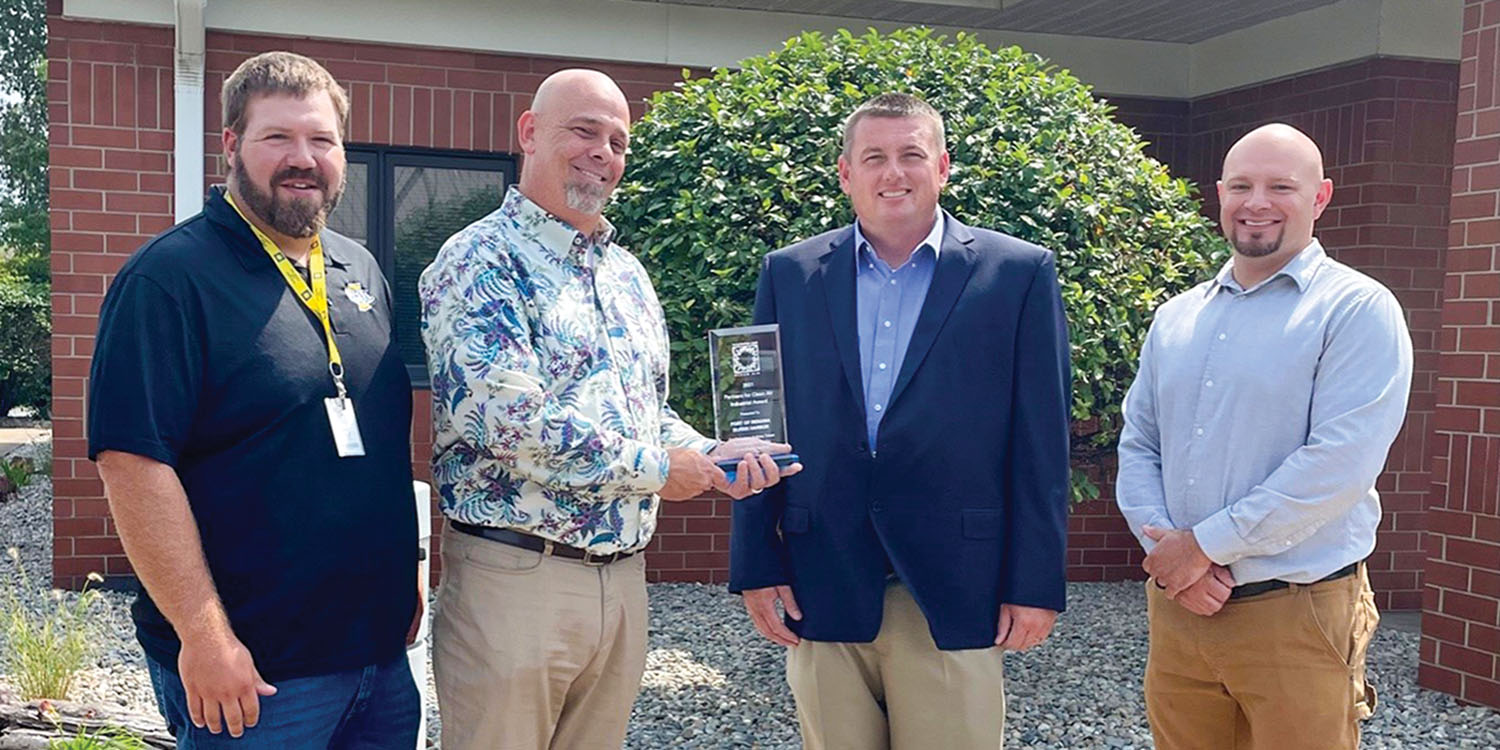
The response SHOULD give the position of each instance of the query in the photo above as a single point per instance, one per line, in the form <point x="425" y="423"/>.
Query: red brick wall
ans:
<point x="1165" y="125"/>
<point x="1461" y="609"/>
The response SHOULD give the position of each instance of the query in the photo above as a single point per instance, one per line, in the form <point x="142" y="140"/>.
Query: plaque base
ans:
<point x="731" y="467"/>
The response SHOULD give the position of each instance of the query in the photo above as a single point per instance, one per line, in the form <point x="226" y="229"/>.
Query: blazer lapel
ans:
<point x="837" y="276"/>
<point x="955" y="263"/>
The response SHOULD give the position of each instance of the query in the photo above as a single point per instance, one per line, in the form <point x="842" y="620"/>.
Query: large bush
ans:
<point x="728" y="168"/>
<point x="25" y="345"/>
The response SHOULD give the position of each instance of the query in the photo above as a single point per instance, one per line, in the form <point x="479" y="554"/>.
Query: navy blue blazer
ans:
<point x="966" y="493"/>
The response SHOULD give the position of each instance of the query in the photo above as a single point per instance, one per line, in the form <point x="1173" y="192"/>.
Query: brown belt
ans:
<point x="1261" y="587"/>
<point x="537" y="544"/>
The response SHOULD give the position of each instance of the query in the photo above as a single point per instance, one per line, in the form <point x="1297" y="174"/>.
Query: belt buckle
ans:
<point x="596" y="561"/>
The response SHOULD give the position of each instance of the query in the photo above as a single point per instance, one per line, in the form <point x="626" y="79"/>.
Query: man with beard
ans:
<point x="1266" y="400"/>
<point x="249" y="415"/>
<point x="553" y="440"/>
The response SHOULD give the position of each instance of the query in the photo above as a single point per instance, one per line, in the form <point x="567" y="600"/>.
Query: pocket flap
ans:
<point x="795" y="520"/>
<point x="982" y="524"/>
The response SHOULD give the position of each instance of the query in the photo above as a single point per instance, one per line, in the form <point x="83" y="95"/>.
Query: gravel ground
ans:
<point x="711" y="682"/>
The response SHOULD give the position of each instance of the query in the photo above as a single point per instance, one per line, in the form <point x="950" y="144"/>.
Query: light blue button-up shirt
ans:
<point x="887" y="303"/>
<point x="1261" y="418"/>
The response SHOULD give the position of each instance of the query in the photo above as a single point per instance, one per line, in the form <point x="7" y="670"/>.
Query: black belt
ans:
<point x="537" y="544"/>
<point x="1261" y="587"/>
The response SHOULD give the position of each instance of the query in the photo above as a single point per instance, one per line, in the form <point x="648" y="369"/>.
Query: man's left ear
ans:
<point x="1325" y="195"/>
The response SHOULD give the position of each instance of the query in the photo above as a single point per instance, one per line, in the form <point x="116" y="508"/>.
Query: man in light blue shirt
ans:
<point x="1266" y="401"/>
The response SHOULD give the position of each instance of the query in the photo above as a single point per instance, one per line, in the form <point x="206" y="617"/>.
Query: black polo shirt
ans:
<point x="207" y="362"/>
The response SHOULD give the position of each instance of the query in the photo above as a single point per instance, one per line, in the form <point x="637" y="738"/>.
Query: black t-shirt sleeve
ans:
<point x="143" y="384"/>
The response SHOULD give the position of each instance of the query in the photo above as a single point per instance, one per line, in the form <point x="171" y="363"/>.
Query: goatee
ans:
<point x="586" y="199"/>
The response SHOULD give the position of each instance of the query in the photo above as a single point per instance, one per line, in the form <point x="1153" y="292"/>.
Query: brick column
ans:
<point x="1461" y="601"/>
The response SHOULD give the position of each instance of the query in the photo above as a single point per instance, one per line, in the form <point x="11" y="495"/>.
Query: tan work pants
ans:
<point x="1281" y="671"/>
<point x="533" y="652"/>
<point x="899" y="692"/>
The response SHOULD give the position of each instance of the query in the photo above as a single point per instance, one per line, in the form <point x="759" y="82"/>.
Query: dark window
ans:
<point x="403" y="204"/>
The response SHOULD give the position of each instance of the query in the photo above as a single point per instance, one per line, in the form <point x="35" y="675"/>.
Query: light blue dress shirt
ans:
<point x="1261" y="418"/>
<point x="887" y="303"/>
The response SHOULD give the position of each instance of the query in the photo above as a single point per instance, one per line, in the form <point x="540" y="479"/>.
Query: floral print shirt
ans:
<point x="548" y="355"/>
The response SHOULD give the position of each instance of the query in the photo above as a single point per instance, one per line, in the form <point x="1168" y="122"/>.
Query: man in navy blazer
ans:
<point x="927" y="383"/>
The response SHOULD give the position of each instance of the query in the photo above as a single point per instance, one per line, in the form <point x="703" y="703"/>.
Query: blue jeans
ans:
<point x="361" y="709"/>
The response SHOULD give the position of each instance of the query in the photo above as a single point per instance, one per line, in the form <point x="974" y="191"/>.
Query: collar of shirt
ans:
<point x="933" y="240"/>
<point x="1300" y="269"/>
<point x="559" y="237"/>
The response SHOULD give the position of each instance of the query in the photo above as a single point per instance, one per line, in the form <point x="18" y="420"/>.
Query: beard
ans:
<point x="1256" y="247"/>
<point x="295" y="217"/>
<point x="586" y="198"/>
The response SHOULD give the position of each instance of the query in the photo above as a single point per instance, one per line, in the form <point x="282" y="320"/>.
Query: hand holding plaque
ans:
<point x="749" y="400"/>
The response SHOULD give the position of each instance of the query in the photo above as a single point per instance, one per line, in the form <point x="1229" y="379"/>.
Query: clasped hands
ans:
<point x="690" y="473"/>
<point x="1178" y="566"/>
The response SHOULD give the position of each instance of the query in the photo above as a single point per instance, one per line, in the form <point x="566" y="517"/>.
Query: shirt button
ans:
<point x="878" y="407"/>
<point x="882" y="365"/>
<point x="1209" y="383"/>
<point x="1192" y="482"/>
<point x="1198" y="431"/>
<point x="893" y="282"/>
<point x="1223" y="336"/>
<point x="888" y="324"/>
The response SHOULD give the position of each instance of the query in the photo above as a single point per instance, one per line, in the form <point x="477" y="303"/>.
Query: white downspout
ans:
<point x="187" y="97"/>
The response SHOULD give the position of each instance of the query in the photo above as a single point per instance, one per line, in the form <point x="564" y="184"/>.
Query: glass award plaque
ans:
<point x="745" y="365"/>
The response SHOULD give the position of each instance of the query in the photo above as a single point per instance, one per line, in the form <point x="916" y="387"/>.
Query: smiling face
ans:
<point x="893" y="171"/>
<point x="574" y="137"/>
<point x="287" y="167"/>
<point x="1271" y="193"/>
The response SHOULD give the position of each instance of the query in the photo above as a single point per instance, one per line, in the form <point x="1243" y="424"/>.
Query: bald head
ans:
<point x="568" y="89"/>
<point x="1271" y="192"/>
<point x="1279" y="138"/>
<point x="574" y="137"/>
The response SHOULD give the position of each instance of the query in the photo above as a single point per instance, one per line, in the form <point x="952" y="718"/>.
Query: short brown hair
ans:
<point x="894" y="106"/>
<point x="279" y="73"/>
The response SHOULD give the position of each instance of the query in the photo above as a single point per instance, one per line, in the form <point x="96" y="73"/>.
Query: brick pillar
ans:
<point x="1461" y="603"/>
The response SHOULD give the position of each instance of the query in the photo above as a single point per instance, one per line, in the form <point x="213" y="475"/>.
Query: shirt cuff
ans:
<point x="651" y="468"/>
<point x="1219" y="539"/>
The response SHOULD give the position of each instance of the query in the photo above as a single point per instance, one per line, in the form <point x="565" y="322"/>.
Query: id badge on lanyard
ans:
<point x="341" y="417"/>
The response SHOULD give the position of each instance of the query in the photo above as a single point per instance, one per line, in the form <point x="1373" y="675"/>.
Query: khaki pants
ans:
<point x="1281" y="671"/>
<point x="534" y="652"/>
<point x="899" y="691"/>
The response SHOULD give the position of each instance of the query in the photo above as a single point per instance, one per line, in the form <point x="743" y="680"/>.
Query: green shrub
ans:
<point x="15" y="473"/>
<point x="728" y="168"/>
<point x="25" y="346"/>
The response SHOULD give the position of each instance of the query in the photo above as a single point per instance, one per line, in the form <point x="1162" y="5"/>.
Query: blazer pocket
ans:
<point x="982" y="524"/>
<point x="795" y="520"/>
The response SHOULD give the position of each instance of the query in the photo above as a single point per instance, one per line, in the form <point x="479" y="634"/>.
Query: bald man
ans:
<point x="553" y="442"/>
<point x="1266" y="400"/>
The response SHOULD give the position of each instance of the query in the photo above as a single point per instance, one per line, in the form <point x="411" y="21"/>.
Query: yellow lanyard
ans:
<point x="315" y="298"/>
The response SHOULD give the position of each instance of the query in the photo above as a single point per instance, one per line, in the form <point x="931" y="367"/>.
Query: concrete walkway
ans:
<point x="12" y="438"/>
